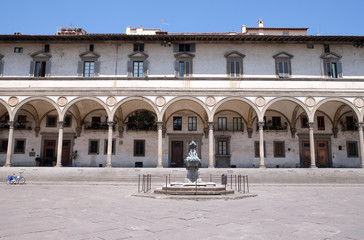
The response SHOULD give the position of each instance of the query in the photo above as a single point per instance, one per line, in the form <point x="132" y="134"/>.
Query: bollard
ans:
<point x="247" y="183"/>
<point x="244" y="184"/>
<point x="139" y="183"/>
<point x="166" y="183"/>
<point x="235" y="182"/>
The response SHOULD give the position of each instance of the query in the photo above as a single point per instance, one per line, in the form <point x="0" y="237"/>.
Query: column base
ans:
<point x="313" y="166"/>
<point x="108" y="166"/>
<point x="58" y="165"/>
<point x="7" y="165"/>
<point x="262" y="166"/>
<point x="159" y="166"/>
<point x="210" y="166"/>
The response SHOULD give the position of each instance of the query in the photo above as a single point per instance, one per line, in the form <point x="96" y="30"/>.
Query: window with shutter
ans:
<point x="88" y="66"/>
<point x="283" y="64"/>
<point x="279" y="151"/>
<point x="234" y="64"/>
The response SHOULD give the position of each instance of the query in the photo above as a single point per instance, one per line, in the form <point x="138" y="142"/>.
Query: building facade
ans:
<point x="264" y="97"/>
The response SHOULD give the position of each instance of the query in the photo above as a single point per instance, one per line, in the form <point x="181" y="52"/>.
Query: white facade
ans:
<point x="299" y="99"/>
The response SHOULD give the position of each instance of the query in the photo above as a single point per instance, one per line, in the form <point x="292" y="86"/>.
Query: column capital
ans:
<point x="11" y="124"/>
<point x="61" y="124"/>
<point x="311" y="124"/>
<point x="360" y="124"/>
<point x="160" y="125"/>
<point x="211" y="125"/>
<point x="110" y="123"/>
<point x="261" y="125"/>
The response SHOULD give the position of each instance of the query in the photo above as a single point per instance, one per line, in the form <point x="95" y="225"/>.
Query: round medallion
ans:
<point x="359" y="102"/>
<point x="62" y="101"/>
<point x="13" y="101"/>
<point x="260" y="101"/>
<point x="110" y="101"/>
<point x="160" y="101"/>
<point x="310" y="101"/>
<point x="210" y="101"/>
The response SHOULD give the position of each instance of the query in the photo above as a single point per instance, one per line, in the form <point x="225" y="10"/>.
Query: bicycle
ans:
<point x="16" y="179"/>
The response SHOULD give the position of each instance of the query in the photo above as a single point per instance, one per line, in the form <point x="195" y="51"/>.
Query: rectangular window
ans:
<point x="40" y="69"/>
<point x="320" y="123"/>
<point x="279" y="151"/>
<point x="3" y="145"/>
<point x="139" y="148"/>
<point x="112" y="147"/>
<point x="51" y="121"/>
<point x="19" y="146"/>
<point x="18" y="49"/>
<point x="276" y="121"/>
<point x="237" y="124"/>
<point x="184" y="68"/>
<point x="184" y="48"/>
<point x="222" y="123"/>
<point x="304" y="122"/>
<point x="235" y="68"/>
<point x="177" y="123"/>
<point x="333" y="69"/>
<point x="138" y="67"/>
<point x="95" y="122"/>
<point x="352" y="149"/>
<point x="192" y="123"/>
<point x="93" y="147"/>
<point x="68" y="121"/>
<point x="89" y="69"/>
<point x="283" y="69"/>
<point x="21" y="123"/>
<point x="46" y="48"/>
<point x="256" y="149"/>
<point x="92" y="47"/>
<point x="138" y="47"/>
<point x="350" y="124"/>
<point x="222" y="148"/>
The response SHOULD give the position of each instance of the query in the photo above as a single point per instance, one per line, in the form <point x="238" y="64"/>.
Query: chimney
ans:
<point x="260" y="23"/>
<point x="243" y="29"/>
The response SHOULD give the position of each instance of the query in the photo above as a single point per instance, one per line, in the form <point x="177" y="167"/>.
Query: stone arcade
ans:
<point x="261" y="97"/>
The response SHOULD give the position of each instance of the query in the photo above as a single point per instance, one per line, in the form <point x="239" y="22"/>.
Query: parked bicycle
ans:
<point x="16" y="179"/>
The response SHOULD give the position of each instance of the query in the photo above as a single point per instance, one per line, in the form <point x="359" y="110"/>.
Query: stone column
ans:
<point x="60" y="144"/>
<point x="211" y="144"/>
<point x="361" y="142"/>
<point x="109" y="144"/>
<point x="9" y="152"/>
<point x="312" y="145"/>
<point x="160" y="147"/>
<point x="261" y="145"/>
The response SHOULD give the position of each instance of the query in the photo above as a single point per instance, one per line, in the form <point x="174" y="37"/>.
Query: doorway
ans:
<point x="177" y="153"/>
<point x="66" y="152"/>
<point x="49" y="152"/>
<point x="305" y="155"/>
<point x="322" y="154"/>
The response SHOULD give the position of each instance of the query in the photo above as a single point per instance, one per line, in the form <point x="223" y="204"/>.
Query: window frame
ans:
<point x="137" y="143"/>
<point x="88" y="68"/>
<point x="238" y="124"/>
<point x="222" y="123"/>
<point x="89" y="56"/>
<point x="185" y="60"/>
<point x="222" y="148"/>
<point x="138" y="47"/>
<point x="17" y="140"/>
<point x="47" y="121"/>
<point x="283" y="57"/>
<point x="177" y="126"/>
<point x="279" y="149"/>
<point x="236" y="57"/>
<point x="355" y="144"/>
<point x="320" y="123"/>
<point x="331" y="59"/>
<point x="2" y="142"/>
<point x="90" y="150"/>
<point x="303" y="125"/>
<point x="192" y="123"/>
<point x="138" y="57"/>
<point x="140" y="69"/>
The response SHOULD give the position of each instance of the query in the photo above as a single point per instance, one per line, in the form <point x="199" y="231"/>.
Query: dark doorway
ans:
<point x="305" y="155"/>
<point x="66" y="151"/>
<point x="49" y="152"/>
<point x="177" y="153"/>
<point x="322" y="154"/>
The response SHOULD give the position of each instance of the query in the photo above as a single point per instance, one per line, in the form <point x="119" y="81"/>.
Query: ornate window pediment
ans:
<point x="331" y="56"/>
<point x="138" y="55"/>
<point x="89" y="56"/>
<point x="283" y="55"/>
<point x="234" y="54"/>
<point x="184" y="55"/>
<point x="41" y="56"/>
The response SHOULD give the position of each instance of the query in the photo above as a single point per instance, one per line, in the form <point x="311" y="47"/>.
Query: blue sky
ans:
<point x="322" y="17"/>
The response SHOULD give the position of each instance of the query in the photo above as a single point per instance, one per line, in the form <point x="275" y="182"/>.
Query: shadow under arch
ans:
<point x="79" y="99"/>
<point x="242" y="99"/>
<point x="30" y="99"/>
<point x="270" y="103"/>
<point x="177" y="99"/>
<point x="326" y="100"/>
<point x="128" y="99"/>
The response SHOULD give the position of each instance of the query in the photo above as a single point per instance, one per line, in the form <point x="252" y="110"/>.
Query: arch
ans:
<point x="289" y="124"/>
<point x="270" y="103"/>
<point x="177" y="99"/>
<point x="244" y="100"/>
<point x="180" y="110"/>
<point x="233" y="111"/>
<point x="128" y="99"/>
<point x="6" y="107"/>
<point x="79" y="99"/>
<point x="30" y="99"/>
<point x="326" y="100"/>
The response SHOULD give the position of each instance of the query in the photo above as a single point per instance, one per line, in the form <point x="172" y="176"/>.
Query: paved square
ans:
<point x="38" y="211"/>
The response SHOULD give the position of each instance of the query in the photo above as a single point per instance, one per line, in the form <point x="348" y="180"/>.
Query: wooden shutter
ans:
<point x="48" y="68"/>
<point x="80" y="68"/>
<point x="130" y="69"/>
<point x="228" y="67"/>
<point x="145" y="68"/>
<point x="328" y="71"/>
<point x="339" y="69"/>
<point x="193" y="47"/>
<point x="1" y="67"/>
<point x="176" y="68"/>
<point x="31" y="70"/>
<point x="175" y="47"/>
<point x="241" y="66"/>
<point x="97" y="68"/>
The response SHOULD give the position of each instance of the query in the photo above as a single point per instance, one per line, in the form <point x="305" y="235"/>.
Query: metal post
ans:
<point x="247" y="183"/>
<point x="244" y="184"/>
<point x="196" y="188"/>
<point x="166" y="183"/>
<point x="231" y="181"/>
<point x="139" y="183"/>
<point x="235" y="182"/>
<point x="169" y="176"/>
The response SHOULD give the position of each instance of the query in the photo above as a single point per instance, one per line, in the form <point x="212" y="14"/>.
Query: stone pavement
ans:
<point x="108" y="211"/>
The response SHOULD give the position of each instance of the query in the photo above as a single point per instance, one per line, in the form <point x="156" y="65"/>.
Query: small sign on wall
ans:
<point x="31" y="154"/>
